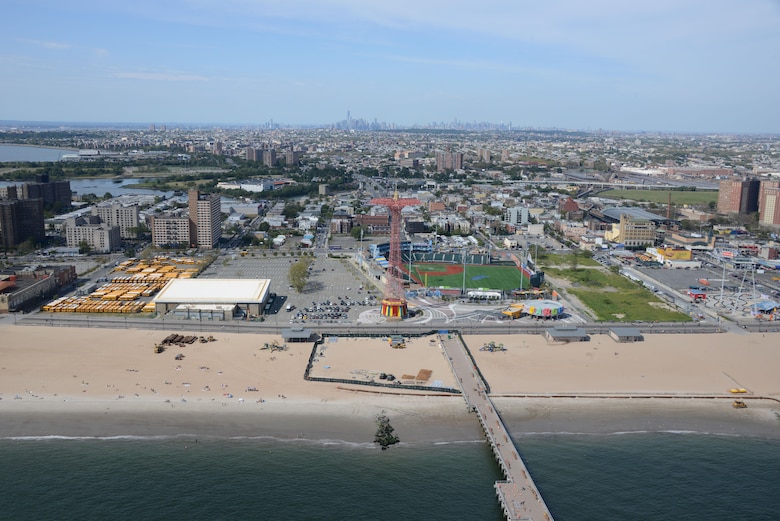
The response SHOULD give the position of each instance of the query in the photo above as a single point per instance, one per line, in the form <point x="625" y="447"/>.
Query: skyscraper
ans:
<point x="205" y="219"/>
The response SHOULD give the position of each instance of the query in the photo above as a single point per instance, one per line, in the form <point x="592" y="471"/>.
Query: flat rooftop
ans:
<point x="214" y="291"/>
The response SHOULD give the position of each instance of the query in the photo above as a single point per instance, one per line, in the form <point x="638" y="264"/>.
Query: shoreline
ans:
<point x="444" y="421"/>
<point x="107" y="383"/>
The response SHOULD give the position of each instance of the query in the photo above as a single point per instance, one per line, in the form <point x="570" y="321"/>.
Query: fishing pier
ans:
<point x="518" y="495"/>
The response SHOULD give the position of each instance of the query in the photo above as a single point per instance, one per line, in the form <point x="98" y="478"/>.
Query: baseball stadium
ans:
<point x="468" y="273"/>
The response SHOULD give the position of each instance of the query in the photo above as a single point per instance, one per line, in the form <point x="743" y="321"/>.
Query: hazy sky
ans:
<point x="670" y="65"/>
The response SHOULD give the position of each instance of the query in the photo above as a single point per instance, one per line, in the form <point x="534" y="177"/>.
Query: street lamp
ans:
<point x="463" y="289"/>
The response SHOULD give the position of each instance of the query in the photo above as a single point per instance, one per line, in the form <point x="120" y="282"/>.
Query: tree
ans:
<point x="84" y="247"/>
<point x="574" y="258"/>
<point x="299" y="274"/>
<point x="291" y="210"/>
<point x="355" y="232"/>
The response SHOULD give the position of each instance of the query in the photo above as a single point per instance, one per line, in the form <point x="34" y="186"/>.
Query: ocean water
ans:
<point x="13" y="153"/>
<point x="630" y="476"/>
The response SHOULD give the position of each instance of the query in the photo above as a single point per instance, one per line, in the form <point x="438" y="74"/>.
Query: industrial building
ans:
<point x="213" y="299"/>
<point x="23" y="286"/>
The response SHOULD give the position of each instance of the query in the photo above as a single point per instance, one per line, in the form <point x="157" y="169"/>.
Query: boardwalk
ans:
<point x="518" y="494"/>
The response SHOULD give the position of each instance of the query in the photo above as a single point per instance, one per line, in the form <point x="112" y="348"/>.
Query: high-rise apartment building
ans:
<point x="769" y="213"/>
<point x="20" y="220"/>
<point x="765" y="185"/>
<point x="170" y="231"/>
<point x="115" y="214"/>
<point x="205" y="219"/>
<point x="101" y="237"/>
<point x="269" y="157"/>
<point x="53" y="193"/>
<point x="738" y="196"/>
<point x="446" y="160"/>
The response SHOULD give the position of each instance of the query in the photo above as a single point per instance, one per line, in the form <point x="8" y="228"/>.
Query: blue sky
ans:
<point x="668" y="65"/>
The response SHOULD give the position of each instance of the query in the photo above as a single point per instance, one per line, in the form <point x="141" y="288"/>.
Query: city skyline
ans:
<point x="689" y="66"/>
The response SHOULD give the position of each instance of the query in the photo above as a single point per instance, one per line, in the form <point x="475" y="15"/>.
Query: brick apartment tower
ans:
<point x="205" y="219"/>
<point x="738" y="196"/>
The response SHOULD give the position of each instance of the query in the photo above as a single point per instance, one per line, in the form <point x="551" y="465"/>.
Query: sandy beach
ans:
<point x="101" y="382"/>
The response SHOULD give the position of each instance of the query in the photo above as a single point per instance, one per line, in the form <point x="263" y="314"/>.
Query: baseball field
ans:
<point x="476" y="276"/>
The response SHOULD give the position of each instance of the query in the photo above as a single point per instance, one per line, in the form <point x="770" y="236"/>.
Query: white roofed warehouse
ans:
<point x="213" y="299"/>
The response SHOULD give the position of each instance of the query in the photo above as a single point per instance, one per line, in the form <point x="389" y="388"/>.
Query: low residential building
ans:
<point x="340" y="224"/>
<point x="517" y="215"/>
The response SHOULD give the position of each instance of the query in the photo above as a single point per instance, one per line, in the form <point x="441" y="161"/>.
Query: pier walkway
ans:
<point x="518" y="494"/>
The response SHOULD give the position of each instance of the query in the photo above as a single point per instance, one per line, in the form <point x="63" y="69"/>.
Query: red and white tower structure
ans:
<point x="394" y="301"/>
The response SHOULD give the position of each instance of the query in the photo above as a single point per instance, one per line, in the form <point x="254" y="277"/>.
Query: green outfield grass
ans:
<point x="488" y="277"/>
<point x="662" y="196"/>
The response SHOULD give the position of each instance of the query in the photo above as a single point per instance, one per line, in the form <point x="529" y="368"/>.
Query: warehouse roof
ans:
<point x="214" y="291"/>
<point x="634" y="213"/>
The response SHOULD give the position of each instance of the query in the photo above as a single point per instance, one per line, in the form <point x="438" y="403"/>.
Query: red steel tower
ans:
<point x="394" y="301"/>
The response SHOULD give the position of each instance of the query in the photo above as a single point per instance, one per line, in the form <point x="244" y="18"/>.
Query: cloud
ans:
<point x="58" y="46"/>
<point x="159" y="76"/>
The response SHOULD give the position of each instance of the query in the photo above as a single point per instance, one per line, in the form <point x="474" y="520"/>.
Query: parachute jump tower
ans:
<point x="394" y="301"/>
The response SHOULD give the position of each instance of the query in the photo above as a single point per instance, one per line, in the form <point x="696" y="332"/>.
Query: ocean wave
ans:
<point x="459" y="442"/>
<point x="325" y="442"/>
<point x="684" y="432"/>
<point x="118" y="437"/>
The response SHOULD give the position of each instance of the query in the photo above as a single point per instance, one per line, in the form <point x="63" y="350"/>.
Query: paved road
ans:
<point x="405" y="327"/>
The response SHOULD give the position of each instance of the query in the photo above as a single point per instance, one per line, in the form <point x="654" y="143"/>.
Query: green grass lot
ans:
<point x="662" y="196"/>
<point x="553" y="259"/>
<point x="488" y="277"/>
<point x="609" y="294"/>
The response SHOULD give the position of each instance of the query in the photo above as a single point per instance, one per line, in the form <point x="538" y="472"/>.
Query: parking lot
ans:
<point x="333" y="280"/>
